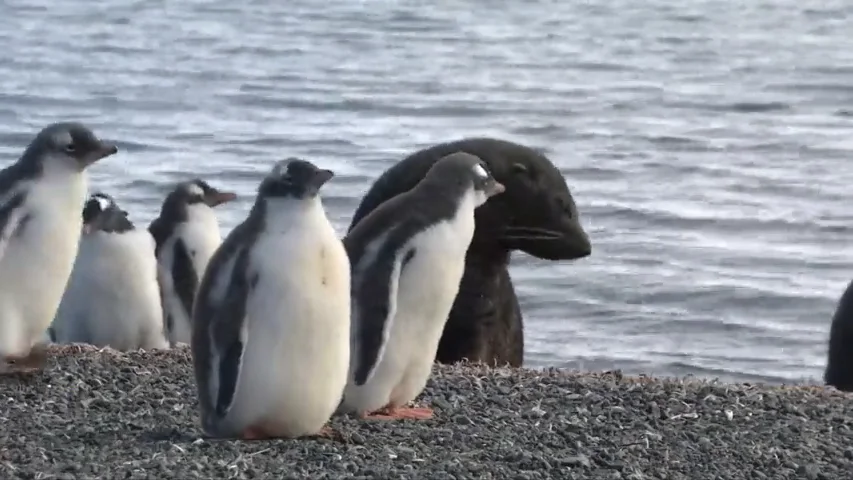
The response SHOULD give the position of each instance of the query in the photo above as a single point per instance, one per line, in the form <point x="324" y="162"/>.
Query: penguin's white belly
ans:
<point x="425" y="295"/>
<point x="112" y="298"/>
<point x="201" y="239"/>
<point x="297" y="354"/>
<point x="36" y="265"/>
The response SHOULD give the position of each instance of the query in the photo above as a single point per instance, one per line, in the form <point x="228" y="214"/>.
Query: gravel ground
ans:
<point x="104" y="414"/>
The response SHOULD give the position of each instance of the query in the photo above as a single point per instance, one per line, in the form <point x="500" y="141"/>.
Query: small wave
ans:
<point x="545" y="130"/>
<point x="737" y="107"/>
<point x="666" y="219"/>
<point x="676" y="143"/>
<point x="364" y="105"/>
<point x="602" y="66"/>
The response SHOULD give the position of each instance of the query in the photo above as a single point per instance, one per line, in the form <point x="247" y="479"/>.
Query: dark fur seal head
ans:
<point x="102" y="213"/>
<point x="294" y="178"/>
<point x="71" y="143"/>
<point x="535" y="214"/>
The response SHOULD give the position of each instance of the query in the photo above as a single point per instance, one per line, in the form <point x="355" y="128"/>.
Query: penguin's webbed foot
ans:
<point x="328" y="432"/>
<point x="254" y="433"/>
<point x="401" y="413"/>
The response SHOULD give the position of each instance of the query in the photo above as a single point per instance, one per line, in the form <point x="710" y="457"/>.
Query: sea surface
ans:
<point x="709" y="144"/>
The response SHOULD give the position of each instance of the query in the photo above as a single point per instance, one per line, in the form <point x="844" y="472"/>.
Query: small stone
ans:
<point x="808" y="472"/>
<point x="576" y="460"/>
<point x="442" y="404"/>
<point x="463" y="420"/>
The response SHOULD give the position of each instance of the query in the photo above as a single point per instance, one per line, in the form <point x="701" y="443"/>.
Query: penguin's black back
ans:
<point x="839" y="365"/>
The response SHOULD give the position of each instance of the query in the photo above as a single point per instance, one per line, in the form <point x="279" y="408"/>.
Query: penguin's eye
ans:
<point x="70" y="148"/>
<point x="103" y="203"/>
<point x="480" y="171"/>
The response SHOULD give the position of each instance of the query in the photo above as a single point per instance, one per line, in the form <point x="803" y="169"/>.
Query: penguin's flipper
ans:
<point x="164" y="283"/>
<point x="375" y="299"/>
<point x="184" y="276"/>
<point x="12" y="218"/>
<point x="228" y="331"/>
<point x="160" y="232"/>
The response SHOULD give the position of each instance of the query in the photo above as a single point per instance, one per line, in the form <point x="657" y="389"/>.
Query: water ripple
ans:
<point x="708" y="148"/>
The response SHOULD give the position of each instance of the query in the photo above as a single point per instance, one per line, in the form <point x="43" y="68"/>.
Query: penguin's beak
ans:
<point x="105" y="151"/>
<point x="98" y="153"/>
<point x="322" y="176"/>
<point x="218" y="198"/>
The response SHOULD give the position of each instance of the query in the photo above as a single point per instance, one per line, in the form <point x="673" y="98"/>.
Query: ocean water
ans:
<point x="709" y="144"/>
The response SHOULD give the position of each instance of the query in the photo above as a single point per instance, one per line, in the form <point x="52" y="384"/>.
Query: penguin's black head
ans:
<point x="459" y="172"/>
<point x="197" y="191"/>
<point x="67" y="144"/>
<point x="294" y="178"/>
<point x="101" y="213"/>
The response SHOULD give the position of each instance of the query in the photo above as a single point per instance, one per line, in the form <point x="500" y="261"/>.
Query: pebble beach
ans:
<point x="104" y="414"/>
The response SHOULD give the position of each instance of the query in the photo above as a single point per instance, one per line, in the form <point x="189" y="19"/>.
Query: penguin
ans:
<point x="407" y="258"/>
<point x="112" y="299"/>
<point x="41" y="196"/>
<point x="271" y="323"/>
<point x="186" y="234"/>
<point x="839" y="361"/>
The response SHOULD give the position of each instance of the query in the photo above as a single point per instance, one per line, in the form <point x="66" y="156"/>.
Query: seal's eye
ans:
<point x="70" y="148"/>
<point x="528" y="173"/>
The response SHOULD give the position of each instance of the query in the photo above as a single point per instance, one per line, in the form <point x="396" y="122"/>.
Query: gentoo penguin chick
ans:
<point x="186" y="234"/>
<point x="407" y="259"/>
<point x="271" y="324"/>
<point x="41" y="196"/>
<point x="112" y="299"/>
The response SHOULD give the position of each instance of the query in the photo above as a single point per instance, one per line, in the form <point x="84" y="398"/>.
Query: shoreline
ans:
<point x="98" y="412"/>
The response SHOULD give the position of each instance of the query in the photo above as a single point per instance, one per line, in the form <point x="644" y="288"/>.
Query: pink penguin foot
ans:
<point x="254" y="433"/>
<point x="328" y="432"/>
<point x="401" y="413"/>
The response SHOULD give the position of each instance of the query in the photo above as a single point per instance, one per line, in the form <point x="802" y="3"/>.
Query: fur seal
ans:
<point x="536" y="214"/>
